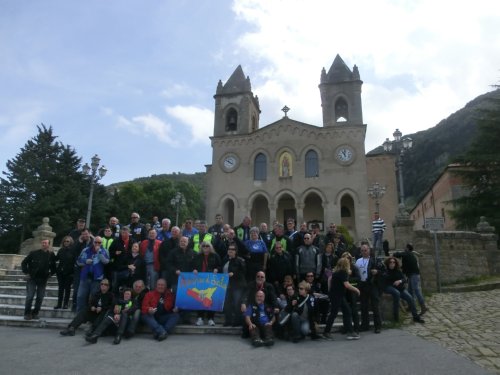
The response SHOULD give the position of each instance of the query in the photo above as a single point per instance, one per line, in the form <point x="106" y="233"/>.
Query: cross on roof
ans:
<point x="285" y="109"/>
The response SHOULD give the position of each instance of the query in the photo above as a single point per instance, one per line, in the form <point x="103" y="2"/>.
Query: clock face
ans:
<point x="229" y="162"/>
<point x="344" y="154"/>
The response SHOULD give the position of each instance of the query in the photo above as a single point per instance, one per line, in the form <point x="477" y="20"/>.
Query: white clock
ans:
<point x="344" y="154"/>
<point x="230" y="162"/>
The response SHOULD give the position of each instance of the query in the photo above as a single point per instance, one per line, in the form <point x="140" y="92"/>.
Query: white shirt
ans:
<point x="362" y="264"/>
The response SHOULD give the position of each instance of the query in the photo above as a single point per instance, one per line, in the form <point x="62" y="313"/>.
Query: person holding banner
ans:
<point x="206" y="261"/>
<point x="235" y="267"/>
<point x="159" y="312"/>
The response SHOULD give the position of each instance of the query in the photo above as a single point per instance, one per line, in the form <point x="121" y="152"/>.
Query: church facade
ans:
<point x="313" y="173"/>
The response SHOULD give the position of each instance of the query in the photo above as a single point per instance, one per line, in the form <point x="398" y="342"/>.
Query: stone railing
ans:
<point x="462" y="255"/>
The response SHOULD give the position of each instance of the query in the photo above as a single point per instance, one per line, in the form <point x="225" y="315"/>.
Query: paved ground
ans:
<point x="44" y="351"/>
<point x="466" y="323"/>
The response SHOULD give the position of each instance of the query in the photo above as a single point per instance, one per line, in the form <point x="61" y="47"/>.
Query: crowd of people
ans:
<point x="284" y="282"/>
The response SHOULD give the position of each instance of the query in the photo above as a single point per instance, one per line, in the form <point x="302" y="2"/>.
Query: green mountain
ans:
<point x="435" y="148"/>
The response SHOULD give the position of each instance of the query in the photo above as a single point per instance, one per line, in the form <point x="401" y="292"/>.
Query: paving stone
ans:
<point x="466" y="323"/>
<point x="486" y="352"/>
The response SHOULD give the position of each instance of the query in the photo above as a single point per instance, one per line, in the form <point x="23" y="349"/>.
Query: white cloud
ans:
<point x="199" y="121"/>
<point x="443" y="50"/>
<point x="20" y="121"/>
<point x="148" y="126"/>
<point x="179" y="90"/>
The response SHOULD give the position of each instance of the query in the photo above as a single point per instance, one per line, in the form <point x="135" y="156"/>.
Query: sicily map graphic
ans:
<point x="202" y="291"/>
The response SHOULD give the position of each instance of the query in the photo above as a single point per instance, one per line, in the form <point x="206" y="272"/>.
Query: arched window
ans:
<point x="231" y="120"/>
<point x="312" y="165"/>
<point x="341" y="110"/>
<point x="260" y="168"/>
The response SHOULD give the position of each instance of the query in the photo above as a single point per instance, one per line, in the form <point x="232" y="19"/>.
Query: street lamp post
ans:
<point x="177" y="202"/>
<point x="94" y="175"/>
<point x="376" y="191"/>
<point x="399" y="146"/>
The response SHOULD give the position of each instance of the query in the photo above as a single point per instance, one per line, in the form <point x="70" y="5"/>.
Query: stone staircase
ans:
<point x="13" y="295"/>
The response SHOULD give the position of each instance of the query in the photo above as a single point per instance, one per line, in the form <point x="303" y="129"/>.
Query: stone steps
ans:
<point x="22" y="283"/>
<point x="13" y="295"/>
<point x="50" y="291"/>
<point x="59" y="323"/>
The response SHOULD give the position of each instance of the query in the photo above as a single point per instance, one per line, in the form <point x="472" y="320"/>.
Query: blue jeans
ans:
<point x="151" y="276"/>
<point x="85" y="289"/>
<point x="377" y="243"/>
<point x="397" y="294"/>
<point x="300" y="325"/>
<point x="164" y="323"/>
<point x="33" y="287"/>
<point x="414" y="288"/>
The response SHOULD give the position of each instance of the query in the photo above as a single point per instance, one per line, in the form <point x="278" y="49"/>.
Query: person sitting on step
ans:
<point x="100" y="303"/>
<point x="259" y="317"/>
<point x="118" y="317"/>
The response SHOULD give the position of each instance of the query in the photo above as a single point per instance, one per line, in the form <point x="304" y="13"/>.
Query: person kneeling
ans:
<point x="159" y="312"/>
<point x="259" y="317"/>
<point x="119" y="317"/>
<point x="302" y="314"/>
<point x="100" y="303"/>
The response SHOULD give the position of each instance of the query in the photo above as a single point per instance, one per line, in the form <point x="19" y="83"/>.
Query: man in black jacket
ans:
<point x="100" y="303"/>
<point x="39" y="265"/>
<point x="369" y="286"/>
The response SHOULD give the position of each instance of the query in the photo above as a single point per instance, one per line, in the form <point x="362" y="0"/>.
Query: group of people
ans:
<point x="283" y="282"/>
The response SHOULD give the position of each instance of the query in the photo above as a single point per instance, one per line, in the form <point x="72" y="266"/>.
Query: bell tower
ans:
<point x="340" y="91"/>
<point x="237" y="110"/>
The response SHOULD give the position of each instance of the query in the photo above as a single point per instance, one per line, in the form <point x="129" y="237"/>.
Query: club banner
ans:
<point x="203" y="291"/>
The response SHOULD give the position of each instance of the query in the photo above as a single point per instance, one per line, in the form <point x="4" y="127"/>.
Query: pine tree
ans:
<point x="481" y="173"/>
<point x="42" y="180"/>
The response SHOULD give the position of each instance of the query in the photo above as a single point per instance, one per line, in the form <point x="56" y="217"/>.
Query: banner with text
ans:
<point x="202" y="291"/>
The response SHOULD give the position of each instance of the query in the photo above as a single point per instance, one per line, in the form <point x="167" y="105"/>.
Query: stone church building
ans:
<point x="311" y="172"/>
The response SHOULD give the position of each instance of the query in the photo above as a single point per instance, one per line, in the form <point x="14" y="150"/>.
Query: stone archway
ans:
<point x="313" y="209"/>
<point x="286" y="208"/>
<point x="347" y="213"/>
<point x="228" y="211"/>
<point x="260" y="211"/>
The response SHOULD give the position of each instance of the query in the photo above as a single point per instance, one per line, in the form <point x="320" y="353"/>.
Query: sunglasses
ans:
<point x="97" y="242"/>
<point x="105" y="284"/>
<point x="205" y="245"/>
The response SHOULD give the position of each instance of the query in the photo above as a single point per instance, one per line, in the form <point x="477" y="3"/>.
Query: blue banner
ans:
<point x="203" y="291"/>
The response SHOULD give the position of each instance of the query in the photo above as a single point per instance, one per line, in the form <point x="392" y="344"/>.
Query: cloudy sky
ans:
<point x="133" y="81"/>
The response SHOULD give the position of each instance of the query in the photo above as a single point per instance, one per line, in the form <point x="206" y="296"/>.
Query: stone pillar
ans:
<point x="490" y="245"/>
<point x="300" y="213"/>
<point x="272" y="215"/>
<point x="43" y="232"/>
<point x="403" y="229"/>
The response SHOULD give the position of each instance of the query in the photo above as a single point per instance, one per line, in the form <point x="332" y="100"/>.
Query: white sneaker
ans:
<point x="199" y="322"/>
<point x="211" y="322"/>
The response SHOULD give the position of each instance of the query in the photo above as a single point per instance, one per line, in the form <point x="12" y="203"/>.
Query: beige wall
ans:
<point x="334" y="181"/>
<point x="436" y="202"/>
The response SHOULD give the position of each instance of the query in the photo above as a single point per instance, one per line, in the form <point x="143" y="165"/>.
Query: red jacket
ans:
<point x="156" y="252"/>
<point x="151" y="300"/>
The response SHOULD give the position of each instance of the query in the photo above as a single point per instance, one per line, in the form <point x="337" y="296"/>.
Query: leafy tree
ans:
<point x="152" y="198"/>
<point x="42" y="180"/>
<point x="481" y="172"/>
